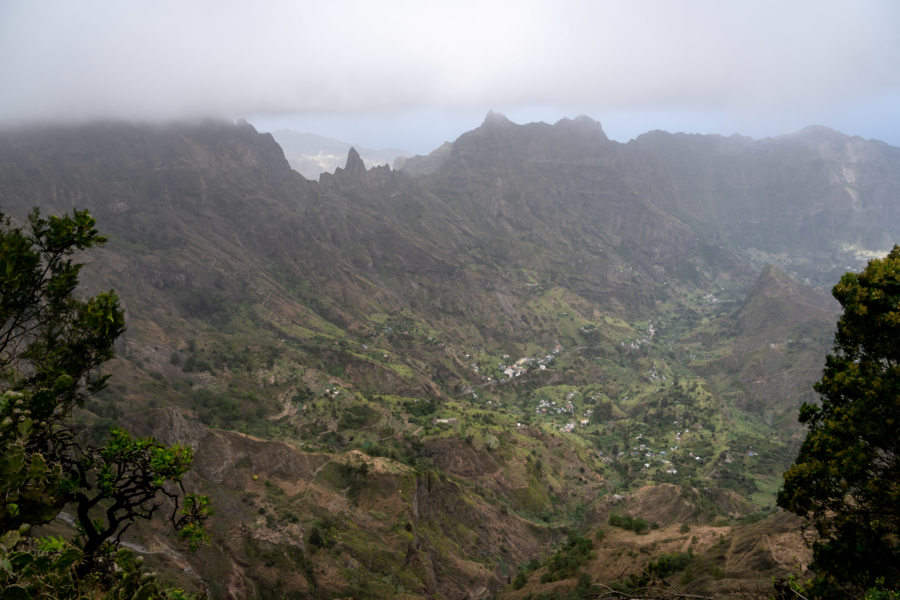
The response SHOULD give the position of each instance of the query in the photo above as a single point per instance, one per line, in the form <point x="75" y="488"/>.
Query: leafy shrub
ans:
<point x="520" y="581"/>
<point x="629" y="523"/>
<point x="667" y="564"/>
<point x="565" y="563"/>
<point x="356" y="416"/>
<point x="421" y="408"/>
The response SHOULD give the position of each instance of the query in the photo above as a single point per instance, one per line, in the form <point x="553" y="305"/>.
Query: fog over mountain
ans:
<point x="413" y="75"/>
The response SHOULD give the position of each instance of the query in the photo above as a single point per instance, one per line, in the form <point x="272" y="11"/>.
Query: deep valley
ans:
<point x="533" y="360"/>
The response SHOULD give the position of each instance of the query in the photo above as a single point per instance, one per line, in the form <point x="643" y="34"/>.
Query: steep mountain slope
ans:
<point x="410" y="382"/>
<point x="779" y="323"/>
<point x="816" y="202"/>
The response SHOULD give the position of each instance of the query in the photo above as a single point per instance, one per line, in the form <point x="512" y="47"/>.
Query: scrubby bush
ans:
<point x="635" y="524"/>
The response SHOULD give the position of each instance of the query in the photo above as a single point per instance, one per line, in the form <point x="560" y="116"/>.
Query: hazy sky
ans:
<point x="414" y="74"/>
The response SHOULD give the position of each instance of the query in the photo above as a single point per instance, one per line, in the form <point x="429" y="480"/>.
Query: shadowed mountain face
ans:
<point x="508" y="331"/>
<point x="816" y="202"/>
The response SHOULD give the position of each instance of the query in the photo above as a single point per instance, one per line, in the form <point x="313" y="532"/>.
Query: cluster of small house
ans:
<point x="635" y="344"/>
<point x="661" y="456"/>
<point x="521" y="366"/>
<point x="549" y="406"/>
<point x="653" y="374"/>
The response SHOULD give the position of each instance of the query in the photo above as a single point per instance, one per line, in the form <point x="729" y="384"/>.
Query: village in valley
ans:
<point x="664" y="426"/>
<point x="641" y="412"/>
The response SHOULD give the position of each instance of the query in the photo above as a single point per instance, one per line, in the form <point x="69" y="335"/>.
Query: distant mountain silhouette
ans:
<point x="311" y="154"/>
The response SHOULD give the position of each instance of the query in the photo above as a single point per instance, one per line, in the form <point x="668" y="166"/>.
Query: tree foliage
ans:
<point x="846" y="479"/>
<point x="51" y="346"/>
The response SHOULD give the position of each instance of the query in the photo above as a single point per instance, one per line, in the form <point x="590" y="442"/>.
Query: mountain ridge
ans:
<point x="686" y="174"/>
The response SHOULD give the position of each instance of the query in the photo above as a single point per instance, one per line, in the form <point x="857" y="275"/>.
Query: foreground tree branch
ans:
<point x="51" y="345"/>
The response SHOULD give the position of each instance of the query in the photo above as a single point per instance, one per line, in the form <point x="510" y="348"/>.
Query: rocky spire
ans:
<point x="355" y="166"/>
<point x="495" y="119"/>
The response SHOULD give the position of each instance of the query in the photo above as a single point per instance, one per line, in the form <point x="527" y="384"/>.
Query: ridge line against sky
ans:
<point x="412" y="74"/>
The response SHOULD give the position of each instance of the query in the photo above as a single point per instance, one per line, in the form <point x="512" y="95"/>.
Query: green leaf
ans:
<point x="50" y="544"/>
<point x="63" y="383"/>
<point x="38" y="467"/>
<point x="15" y="592"/>
<point x="68" y="558"/>
<point x="146" y="592"/>
<point x="24" y="427"/>
<point x="12" y="460"/>
<point x="20" y="560"/>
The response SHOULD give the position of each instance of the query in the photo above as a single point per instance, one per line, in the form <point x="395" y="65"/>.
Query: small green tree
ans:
<point x="51" y="346"/>
<point x="846" y="479"/>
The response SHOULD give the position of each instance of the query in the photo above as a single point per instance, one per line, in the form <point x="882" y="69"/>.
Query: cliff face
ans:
<point x="785" y="330"/>
<point x="816" y="202"/>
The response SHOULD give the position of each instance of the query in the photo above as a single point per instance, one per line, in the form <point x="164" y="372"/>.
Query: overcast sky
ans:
<point x="414" y="74"/>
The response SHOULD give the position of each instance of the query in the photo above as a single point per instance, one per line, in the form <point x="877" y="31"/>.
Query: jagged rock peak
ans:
<point x="582" y="123"/>
<point x="496" y="119"/>
<point x="355" y="166"/>
<point x="581" y="120"/>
